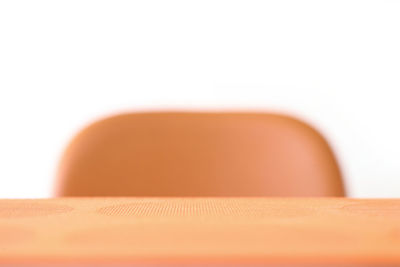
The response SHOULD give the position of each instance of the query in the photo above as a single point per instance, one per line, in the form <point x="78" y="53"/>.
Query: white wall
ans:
<point x="335" y="64"/>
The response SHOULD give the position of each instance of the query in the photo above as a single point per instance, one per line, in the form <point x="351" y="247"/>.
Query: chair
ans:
<point x="199" y="154"/>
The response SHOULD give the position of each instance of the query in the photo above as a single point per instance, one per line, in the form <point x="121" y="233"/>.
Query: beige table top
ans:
<point x="198" y="231"/>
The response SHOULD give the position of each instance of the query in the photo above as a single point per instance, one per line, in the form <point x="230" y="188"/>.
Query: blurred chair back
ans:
<point x="199" y="154"/>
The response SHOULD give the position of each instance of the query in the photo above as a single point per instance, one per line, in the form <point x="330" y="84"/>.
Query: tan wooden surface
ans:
<point x="181" y="231"/>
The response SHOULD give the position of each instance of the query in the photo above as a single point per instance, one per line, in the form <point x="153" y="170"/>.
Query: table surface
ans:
<point x="213" y="231"/>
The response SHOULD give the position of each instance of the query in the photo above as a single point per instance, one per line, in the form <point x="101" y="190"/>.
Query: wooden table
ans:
<point x="200" y="231"/>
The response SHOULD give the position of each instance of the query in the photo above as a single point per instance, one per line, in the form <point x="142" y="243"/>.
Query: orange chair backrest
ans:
<point x="199" y="154"/>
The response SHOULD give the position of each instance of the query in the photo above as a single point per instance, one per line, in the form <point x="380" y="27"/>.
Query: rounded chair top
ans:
<point x="199" y="154"/>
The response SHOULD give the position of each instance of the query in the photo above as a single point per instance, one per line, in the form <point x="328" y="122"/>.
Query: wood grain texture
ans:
<point x="193" y="231"/>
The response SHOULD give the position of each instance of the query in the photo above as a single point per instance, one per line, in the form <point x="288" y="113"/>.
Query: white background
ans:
<point x="335" y="64"/>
